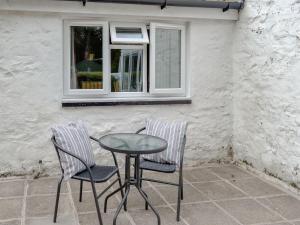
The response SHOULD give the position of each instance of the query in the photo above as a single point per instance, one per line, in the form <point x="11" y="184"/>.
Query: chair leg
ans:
<point x="80" y="191"/>
<point x="122" y="192"/>
<point x="141" y="183"/>
<point x="179" y="202"/>
<point x="97" y="203"/>
<point x="182" y="191"/>
<point x="57" y="199"/>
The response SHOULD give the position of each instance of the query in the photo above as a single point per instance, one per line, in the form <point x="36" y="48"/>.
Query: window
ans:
<point x="86" y="61"/>
<point x="123" y="63"/>
<point x="128" y="33"/>
<point x="167" y="59"/>
<point x="128" y="72"/>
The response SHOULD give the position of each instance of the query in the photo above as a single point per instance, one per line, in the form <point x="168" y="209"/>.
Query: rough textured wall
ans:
<point x="267" y="87"/>
<point x="31" y="91"/>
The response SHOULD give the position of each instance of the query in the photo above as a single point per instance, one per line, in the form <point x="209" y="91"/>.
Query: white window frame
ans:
<point x="167" y="91"/>
<point x="130" y="94"/>
<point x="116" y="40"/>
<point x="67" y="58"/>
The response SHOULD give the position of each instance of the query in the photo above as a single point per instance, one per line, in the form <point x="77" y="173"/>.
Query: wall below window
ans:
<point x="266" y="88"/>
<point x="31" y="65"/>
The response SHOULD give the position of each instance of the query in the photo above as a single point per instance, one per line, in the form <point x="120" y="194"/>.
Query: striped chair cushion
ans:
<point x="173" y="133"/>
<point x="74" y="138"/>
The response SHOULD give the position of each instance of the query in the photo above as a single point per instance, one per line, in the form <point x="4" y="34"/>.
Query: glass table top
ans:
<point x="130" y="143"/>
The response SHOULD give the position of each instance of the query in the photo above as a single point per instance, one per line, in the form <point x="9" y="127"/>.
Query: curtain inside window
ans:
<point x="167" y="58"/>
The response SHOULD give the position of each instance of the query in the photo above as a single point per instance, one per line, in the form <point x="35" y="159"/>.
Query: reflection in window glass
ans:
<point x="126" y="70"/>
<point x="86" y="58"/>
<point x="129" y="32"/>
<point x="167" y="58"/>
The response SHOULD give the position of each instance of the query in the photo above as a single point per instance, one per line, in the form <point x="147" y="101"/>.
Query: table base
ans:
<point x="136" y="181"/>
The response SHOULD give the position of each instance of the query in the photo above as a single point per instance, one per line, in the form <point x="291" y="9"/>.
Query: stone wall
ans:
<point x="266" y="64"/>
<point x="31" y="65"/>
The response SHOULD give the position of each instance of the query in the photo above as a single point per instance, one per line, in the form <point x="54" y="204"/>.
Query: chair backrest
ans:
<point x="73" y="147"/>
<point x="58" y="149"/>
<point x="174" y="133"/>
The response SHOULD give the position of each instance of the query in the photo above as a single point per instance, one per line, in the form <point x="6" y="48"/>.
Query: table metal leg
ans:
<point x="111" y="194"/>
<point x="120" y="206"/>
<point x="127" y="189"/>
<point x="143" y="194"/>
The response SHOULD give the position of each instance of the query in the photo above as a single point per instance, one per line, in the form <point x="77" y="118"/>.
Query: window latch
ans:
<point x="164" y="5"/>
<point x="84" y="2"/>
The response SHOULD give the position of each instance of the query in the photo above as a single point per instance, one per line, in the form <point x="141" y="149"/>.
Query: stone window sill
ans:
<point x="116" y="102"/>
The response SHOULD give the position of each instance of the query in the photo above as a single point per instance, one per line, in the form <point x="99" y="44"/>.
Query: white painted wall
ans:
<point x="267" y="87"/>
<point x="31" y="46"/>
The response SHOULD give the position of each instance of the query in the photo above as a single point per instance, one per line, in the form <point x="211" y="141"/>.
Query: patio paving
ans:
<point x="214" y="195"/>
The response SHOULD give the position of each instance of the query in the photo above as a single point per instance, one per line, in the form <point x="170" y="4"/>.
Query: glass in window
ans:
<point x="126" y="70"/>
<point x="86" y="57"/>
<point x="129" y="32"/>
<point x="167" y="58"/>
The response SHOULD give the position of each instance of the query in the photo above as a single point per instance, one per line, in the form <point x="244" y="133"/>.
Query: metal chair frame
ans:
<point x="90" y="179"/>
<point x="180" y="180"/>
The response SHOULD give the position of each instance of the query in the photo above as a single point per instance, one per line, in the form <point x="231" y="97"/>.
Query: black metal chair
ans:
<point x="94" y="174"/>
<point x="165" y="168"/>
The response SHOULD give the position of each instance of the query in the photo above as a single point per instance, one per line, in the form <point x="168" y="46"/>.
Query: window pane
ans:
<point x="167" y="58"/>
<point x="86" y="58"/>
<point x="126" y="70"/>
<point x="129" y="32"/>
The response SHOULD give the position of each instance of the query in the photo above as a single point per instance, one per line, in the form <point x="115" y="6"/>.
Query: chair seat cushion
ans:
<point x="159" y="167"/>
<point x="100" y="173"/>
<point x="173" y="133"/>
<point x="74" y="138"/>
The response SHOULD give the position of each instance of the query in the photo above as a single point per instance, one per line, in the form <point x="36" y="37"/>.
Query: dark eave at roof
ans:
<point x="183" y="3"/>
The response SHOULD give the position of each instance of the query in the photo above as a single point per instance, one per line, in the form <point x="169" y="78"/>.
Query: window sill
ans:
<point x="115" y="102"/>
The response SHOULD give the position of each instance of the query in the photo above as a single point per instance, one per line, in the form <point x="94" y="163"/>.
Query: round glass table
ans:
<point x="132" y="145"/>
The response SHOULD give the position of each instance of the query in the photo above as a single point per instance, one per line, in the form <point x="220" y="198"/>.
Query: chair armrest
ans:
<point x="94" y="139"/>
<point x="140" y="130"/>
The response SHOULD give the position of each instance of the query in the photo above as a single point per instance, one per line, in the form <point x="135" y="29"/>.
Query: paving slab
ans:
<point x="219" y="190"/>
<point x="10" y="208"/>
<point x="61" y="220"/>
<point x="12" y="188"/>
<point x="136" y="201"/>
<point x="230" y="172"/>
<point x="190" y="193"/>
<point x="256" y="187"/>
<point x="147" y="217"/>
<point x="92" y="219"/>
<point x="41" y="206"/>
<point x="199" y="175"/>
<point x="248" y="211"/>
<point x="11" y="222"/>
<point x="45" y="186"/>
<point x="287" y="206"/>
<point x="205" y="214"/>
<point x="88" y="202"/>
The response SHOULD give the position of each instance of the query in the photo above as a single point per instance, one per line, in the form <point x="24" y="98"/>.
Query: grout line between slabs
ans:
<point x="23" y="212"/>
<point x="251" y="197"/>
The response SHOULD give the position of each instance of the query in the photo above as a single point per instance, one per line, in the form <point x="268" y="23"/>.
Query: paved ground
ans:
<point x="221" y="195"/>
